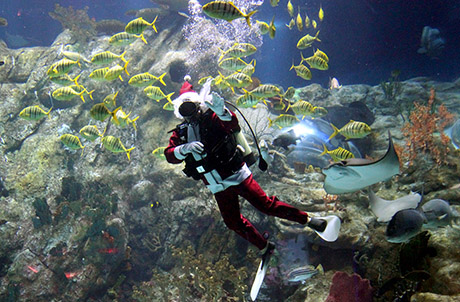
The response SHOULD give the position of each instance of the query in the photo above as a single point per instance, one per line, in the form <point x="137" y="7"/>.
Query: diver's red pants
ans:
<point x="252" y="192"/>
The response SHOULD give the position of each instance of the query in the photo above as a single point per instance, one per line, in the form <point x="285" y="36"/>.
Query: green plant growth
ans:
<point x="392" y="88"/>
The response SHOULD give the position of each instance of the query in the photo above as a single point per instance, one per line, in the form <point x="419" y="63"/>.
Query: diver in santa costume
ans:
<point x="206" y="141"/>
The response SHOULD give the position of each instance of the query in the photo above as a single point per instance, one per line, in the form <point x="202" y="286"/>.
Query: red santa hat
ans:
<point x="187" y="94"/>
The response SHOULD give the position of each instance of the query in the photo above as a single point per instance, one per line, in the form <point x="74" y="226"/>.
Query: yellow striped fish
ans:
<point x="352" y="129"/>
<point x="290" y="8"/>
<point x="283" y="121"/>
<point x="67" y="93"/>
<point x="159" y="153"/>
<point x="307" y="40"/>
<point x="110" y="100"/>
<point x="302" y="107"/>
<point x="316" y="62"/>
<point x="225" y="11"/>
<point x="272" y="28"/>
<point x="145" y="79"/>
<point x="107" y="57"/>
<point x="34" y="113"/>
<point x="299" y="21"/>
<point x="319" y="112"/>
<point x="123" y="120"/>
<point x="169" y="106"/>
<point x="291" y="24"/>
<point x="266" y="91"/>
<point x="263" y="27"/>
<point x="100" y="112"/>
<point x="124" y="38"/>
<point x="307" y="21"/>
<point x="274" y="3"/>
<point x="115" y="145"/>
<point x="337" y="154"/>
<point x="314" y="24"/>
<point x="65" y="79"/>
<point x="249" y="69"/>
<point x="99" y="74"/>
<point x="115" y="72"/>
<point x="247" y="100"/>
<point x="232" y="64"/>
<point x="321" y="13"/>
<point x="61" y="67"/>
<point x="289" y="93"/>
<point x="156" y="94"/>
<point x="137" y="26"/>
<point x="321" y="54"/>
<point x="72" y="142"/>
<point x="90" y="132"/>
<point x="302" y="71"/>
<point x="238" y="50"/>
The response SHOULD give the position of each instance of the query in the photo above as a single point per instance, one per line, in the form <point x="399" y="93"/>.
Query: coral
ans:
<point x="78" y="21"/>
<point x="42" y="212"/>
<point x="197" y="278"/>
<point x="420" y="131"/>
<point x="346" y="288"/>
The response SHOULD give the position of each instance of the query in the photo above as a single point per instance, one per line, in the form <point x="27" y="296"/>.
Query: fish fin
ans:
<point x="168" y="97"/>
<point x="320" y="269"/>
<point x="160" y="78"/>
<point x="336" y="131"/>
<point x="128" y="151"/>
<point x="124" y="68"/>
<point x="248" y="16"/>
<point x="325" y="150"/>
<point x="153" y="24"/>
<point x="143" y="38"/>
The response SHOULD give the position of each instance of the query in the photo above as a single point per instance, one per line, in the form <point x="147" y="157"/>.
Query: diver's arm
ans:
<point x="172" y="155"/>
<point x="218" y="106"/>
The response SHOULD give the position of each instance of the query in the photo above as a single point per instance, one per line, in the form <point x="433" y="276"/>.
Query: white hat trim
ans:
<point x="194" y="97"/>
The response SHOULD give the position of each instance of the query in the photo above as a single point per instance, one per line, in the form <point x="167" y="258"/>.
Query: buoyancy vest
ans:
<point x="222" y="153"/>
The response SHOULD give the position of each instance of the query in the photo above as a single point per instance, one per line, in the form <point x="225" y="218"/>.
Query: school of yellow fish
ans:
<point x="238" y="75"/>
<point x="69" y="88"/>
<point x="238" y="72"/>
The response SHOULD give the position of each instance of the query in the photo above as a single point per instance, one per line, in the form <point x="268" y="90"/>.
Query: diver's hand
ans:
<point x="217" y="104"/>
<point x="194" y="146"/>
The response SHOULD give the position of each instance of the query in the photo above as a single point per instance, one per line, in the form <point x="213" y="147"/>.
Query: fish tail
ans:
<point x="143" y="38"/>
<point x="48" y="113"/>
<point x="82" y="149"/>
<point x="90" y="93"/>
<point x="81" y="95"/>
<point x="325" y="150"/>
<point x="270" y="122"/>
<point x="222" y="54"/>
<point x="168" y="97"/>
<point x="336" y="131"/>
<point x="76" y="80"/>
<point x="248" y="16"/>
<point x="133" y="122"/>
<point x="316" y="37"/>
<point x="320" y="269"/>
<point x="302" y="58"/>
<point x="153" y="24"/>
<point x="124" y="67"/>
<point x="122" y="56"/>
<point x="293" y="64"/>
<point x="160" y="78"/>
<point x="128" y="151"/>
<point x="78" y="62"/>
<point x="114" y="115"/>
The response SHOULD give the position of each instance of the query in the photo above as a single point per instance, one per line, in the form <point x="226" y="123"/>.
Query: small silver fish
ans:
<point x="303" y="273"/>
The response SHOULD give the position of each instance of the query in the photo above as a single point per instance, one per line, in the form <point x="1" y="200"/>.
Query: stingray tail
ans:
<point x="336" y="131"/>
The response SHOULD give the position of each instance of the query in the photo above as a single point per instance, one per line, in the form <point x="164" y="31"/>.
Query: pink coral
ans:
<point x="349" y="288"/>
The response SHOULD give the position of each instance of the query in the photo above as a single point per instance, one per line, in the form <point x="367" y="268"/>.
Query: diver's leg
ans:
<point x="230" y="210"/>
<point x="252" y="192"/>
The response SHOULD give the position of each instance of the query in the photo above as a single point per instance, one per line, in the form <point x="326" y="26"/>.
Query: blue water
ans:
<point x="364" y="39"/>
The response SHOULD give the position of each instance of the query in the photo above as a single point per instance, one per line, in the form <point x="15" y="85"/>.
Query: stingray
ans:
<point x="385" y="209"/>
<point x="354" y="174"/>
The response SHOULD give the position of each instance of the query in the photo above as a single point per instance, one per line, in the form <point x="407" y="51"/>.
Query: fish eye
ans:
<point x="2" y="63"/>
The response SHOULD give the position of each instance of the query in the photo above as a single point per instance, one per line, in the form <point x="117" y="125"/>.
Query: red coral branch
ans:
<point x="419" y="132"/>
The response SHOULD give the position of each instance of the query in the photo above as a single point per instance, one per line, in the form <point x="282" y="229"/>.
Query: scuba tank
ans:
<point x="242" y="144"/>
<point x="248" y="156"/>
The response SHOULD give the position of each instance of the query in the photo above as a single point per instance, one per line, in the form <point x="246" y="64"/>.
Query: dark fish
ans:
<point x="285" y="139"/>
<point x="438" y="213"/>
<point x="405" y="225"/>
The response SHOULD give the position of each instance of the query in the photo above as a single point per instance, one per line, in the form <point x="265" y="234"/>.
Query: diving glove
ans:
<point x="194" y="146"/>
<point x="217" y="104"/>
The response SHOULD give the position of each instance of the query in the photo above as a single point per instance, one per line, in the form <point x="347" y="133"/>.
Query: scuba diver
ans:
<point x="206" y="140"/>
